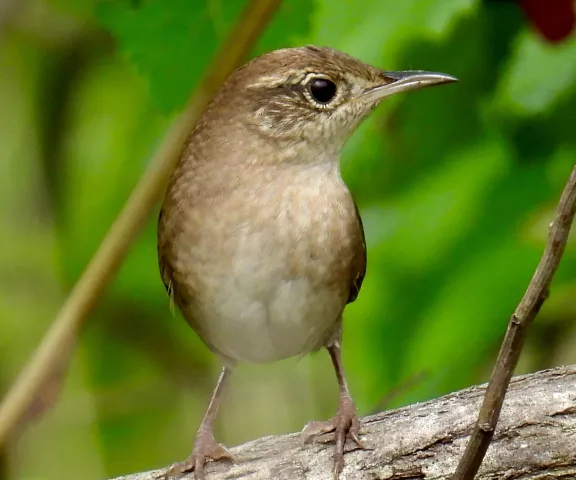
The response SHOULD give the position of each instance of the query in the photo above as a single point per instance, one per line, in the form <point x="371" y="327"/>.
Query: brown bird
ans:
<point x="260" y="243"/>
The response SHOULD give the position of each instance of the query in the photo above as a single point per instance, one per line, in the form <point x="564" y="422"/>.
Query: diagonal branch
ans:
<point x="54" y="352"/>
<point x="511" y="348"/>
<point x="536" y="440"/>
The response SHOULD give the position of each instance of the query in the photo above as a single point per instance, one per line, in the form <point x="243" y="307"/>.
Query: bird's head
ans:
<point x="313" y="95"/>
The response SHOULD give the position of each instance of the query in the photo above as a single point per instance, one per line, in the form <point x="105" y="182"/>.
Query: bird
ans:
<point x="260" y="242"/>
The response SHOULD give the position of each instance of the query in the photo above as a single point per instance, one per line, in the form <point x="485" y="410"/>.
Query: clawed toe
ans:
<point x="205" y="449"/>
<point x="344" y="425"/>
<point x="354" y="433"/>
<point x="178" y="468"/>
<point x="313" y="431"/>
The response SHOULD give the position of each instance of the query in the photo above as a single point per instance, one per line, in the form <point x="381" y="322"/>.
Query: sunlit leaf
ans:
<point x="539" y="74"/>
<point x="170" y="41"/>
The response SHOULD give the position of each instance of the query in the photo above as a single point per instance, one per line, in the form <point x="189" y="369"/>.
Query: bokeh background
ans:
<point x="456" y="185"/>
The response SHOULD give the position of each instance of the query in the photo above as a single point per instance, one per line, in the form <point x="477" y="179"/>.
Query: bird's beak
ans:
<point x="397" y="82"/>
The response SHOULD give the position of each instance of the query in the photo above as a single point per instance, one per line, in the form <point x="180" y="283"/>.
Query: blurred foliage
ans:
<point x="456" y="186"/>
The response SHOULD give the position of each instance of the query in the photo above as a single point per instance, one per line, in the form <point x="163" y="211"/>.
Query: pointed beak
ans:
<point x="397" y="82"/>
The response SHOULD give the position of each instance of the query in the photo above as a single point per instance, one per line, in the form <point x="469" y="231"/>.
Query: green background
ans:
<point x="456" y="186"/>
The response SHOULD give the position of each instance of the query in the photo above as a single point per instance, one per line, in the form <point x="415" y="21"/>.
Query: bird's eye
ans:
<point x="322" y="90"/>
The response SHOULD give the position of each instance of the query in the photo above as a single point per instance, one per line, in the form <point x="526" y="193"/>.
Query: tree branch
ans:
<point x="525" y="313"/>
<point x="50" y="359"/>
<point x="535" y="440"/>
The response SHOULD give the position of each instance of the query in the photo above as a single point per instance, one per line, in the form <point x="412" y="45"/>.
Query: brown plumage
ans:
<point x="260" y="243"/>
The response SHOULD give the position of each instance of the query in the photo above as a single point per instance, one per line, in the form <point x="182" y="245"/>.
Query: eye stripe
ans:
<point x="309" y="76"/>
<point x="299" y="83"/>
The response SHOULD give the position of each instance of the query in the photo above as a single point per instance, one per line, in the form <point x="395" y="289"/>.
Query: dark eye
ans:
<point x="322" y="90"/>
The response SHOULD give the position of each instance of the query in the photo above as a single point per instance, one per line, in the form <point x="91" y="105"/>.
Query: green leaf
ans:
<point x="370" y="28"/>
<point x="111" y="133"/>
<point x="170" y="41"/>
<point x="538" y="75"/>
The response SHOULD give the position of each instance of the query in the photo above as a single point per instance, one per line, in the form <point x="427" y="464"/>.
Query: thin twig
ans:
<point x="124" y="231"/>
<point x="526" y="311"/>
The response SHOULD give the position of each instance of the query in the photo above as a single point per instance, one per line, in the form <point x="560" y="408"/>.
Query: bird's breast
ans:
<point x="266" y="271"/>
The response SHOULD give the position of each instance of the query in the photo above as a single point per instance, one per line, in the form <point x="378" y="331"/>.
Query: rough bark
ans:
<point x="535" y="439"/>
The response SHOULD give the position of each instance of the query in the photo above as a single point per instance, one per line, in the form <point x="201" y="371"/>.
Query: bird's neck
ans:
<point x="245" y="148"/>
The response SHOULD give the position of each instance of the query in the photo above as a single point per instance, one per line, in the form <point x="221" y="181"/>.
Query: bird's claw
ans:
<point x="344" y="424"/>
<point x="205" y="448"/>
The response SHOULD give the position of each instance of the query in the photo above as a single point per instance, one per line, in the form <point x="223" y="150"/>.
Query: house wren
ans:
<point x="260" y="243"/>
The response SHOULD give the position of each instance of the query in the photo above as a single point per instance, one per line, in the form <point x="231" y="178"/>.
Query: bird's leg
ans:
<point x="205" y="447"/>
<point x="345" y="423"/>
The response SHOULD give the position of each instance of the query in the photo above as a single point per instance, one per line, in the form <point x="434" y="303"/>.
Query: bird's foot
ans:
<point x="344" y="424"/>
<point x="205" y="448"/>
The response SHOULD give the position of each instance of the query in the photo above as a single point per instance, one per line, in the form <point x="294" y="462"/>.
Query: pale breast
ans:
<point x="264" y="273"/>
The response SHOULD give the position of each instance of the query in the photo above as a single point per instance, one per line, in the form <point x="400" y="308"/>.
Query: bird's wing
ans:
<point x="165" y="270"/>
<point x="359" y="263"/>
